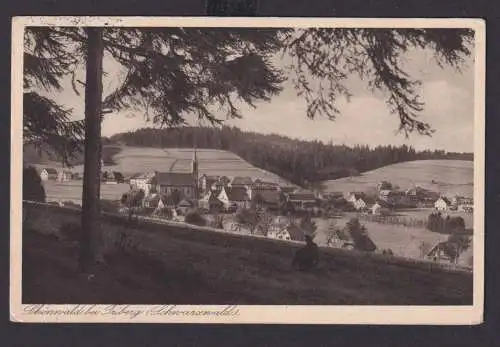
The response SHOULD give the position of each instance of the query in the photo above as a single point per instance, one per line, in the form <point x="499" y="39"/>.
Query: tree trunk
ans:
<point x="92" y="165"/>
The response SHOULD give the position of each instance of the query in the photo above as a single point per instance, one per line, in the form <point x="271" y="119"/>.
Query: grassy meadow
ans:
<point x="179" y="266"/>
<point x="448" y="177"/>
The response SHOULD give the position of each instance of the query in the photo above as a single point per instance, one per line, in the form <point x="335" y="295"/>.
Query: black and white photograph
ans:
<point x="247" y="170"/>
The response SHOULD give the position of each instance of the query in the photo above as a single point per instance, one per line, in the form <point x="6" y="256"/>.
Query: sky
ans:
<point x="364" y="120"/>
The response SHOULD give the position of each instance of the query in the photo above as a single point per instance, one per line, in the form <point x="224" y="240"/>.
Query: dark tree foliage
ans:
<point x="195" y="218"/>
<point x="449" y="225"/>
<point x="324" y="58"/>
<point x="359" y="235"/>
<point x="296" y="160"/>
<point x="32" y="185"/>
<point x="48" y="58"/>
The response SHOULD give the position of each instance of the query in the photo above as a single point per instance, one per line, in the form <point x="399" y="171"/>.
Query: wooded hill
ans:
<point x="298" y="161"/>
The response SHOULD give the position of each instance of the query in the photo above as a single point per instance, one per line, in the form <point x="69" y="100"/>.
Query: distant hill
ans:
<point x="449" y="177"/>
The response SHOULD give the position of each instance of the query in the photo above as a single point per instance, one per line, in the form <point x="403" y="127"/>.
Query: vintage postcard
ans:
<point x="247" y="170"/>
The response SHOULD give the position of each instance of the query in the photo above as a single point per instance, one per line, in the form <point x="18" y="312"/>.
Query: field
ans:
<point x="72" y="191"/>
<point x="448" y="177"/>
<point x="177" y="266"/>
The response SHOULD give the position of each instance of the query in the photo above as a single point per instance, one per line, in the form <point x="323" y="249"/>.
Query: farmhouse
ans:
<point x="143" y="181"/>
<point x="113" y="177"/>
<point x="302" y="200"/>
<point x="384" y="185"/>
<point x="64" y="175"/>
<point x="360" y="201"/>
<point x="234" y="197"/>
<point x="288" y="232"/>
<point x="442" y="204"/>
<point x="341" y="238"/>
<point x="48" y="173"/>
<point x="268" y="198"/>
<point x="210" y="201"/>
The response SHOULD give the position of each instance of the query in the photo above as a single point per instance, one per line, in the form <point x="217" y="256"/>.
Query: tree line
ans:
<point x="299" y="161"/>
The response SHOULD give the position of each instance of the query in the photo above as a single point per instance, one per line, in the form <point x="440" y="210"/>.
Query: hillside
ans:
<point x="298" y="161"/>
<point x="448" y="177"/>
<point x="178" y="266"/>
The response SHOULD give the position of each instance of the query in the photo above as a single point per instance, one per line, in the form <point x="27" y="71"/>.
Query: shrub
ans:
<point x="32" y="185"/>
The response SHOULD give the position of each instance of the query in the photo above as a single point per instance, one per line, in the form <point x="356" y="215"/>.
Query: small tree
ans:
<point x="264" y="221"/>
<point x="360" y="236"/>
<point x="256" y="201"/>
<point x="175" y="197"/>
<point x="308" y="226"/>
<point x="456" y="245"/>
<point x="32" y="185"/>
<point x="331" y="232"/>
<point x="133" y="201"/>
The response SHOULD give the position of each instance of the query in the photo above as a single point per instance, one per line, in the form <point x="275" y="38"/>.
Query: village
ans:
<point x="246" y="205"/>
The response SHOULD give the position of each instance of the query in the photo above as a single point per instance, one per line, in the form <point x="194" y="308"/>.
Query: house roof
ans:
<point x="51" y="171"/>
<point x="185" y="203"/>
<point x="270" y="196"/>
<point x="287" y="189"/>
<point x="302" y="196"/>
<point x="136" y="175"/>
<point x="445" y="199"/>
<point x="237" y="194"/>
<point x="296" y="234"/>
<point x="241" y="181"/>
<point x="173" y="179"/>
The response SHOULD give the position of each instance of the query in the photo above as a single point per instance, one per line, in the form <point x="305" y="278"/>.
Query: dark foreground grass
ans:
<point x="200" y="267"/>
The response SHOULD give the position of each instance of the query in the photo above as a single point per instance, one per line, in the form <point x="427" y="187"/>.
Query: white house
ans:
<point x="143" y="181"/>
<point x="442" y="204"/>
<point x="289" y="232"/>
<point x="234" y="196"/>
<point x="64" y="175"/>
<point x="48" y="173"/>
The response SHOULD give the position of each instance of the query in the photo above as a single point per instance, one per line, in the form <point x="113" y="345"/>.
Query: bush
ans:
<point x="195" y="218"/>
<point x="32" y="185"/>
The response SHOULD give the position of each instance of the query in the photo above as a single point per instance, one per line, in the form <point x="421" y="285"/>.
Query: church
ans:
<point x="185" y="184"/>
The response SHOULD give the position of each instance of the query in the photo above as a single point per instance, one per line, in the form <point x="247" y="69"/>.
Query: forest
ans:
<point x="301" y="162"/>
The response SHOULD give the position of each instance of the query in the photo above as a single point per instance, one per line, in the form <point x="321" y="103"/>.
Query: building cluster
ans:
<point x="388" y="198"/>
<point x="64" y="175"/>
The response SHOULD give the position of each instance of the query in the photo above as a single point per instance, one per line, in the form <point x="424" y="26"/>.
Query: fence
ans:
<point x="394" y="220"/>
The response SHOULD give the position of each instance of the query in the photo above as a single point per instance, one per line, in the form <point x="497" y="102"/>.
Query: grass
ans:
<point x="450" y="177"/>
<point x="177" y="266"/>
